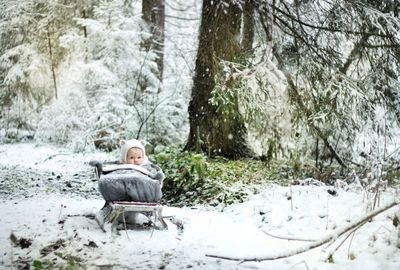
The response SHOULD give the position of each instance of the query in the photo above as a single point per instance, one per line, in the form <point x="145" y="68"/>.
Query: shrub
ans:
<point x="193" y="178"/>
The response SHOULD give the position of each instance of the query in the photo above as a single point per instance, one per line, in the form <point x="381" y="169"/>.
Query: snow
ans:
<point x="246" y="230"/>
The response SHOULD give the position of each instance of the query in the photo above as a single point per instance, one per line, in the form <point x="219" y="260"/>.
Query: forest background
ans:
<point x="292" y="88"/>
<point x="231" y="96"/>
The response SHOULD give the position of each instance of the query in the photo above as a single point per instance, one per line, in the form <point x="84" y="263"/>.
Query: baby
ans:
<point x="134" y="153"/>
<point x="134" y="178"/>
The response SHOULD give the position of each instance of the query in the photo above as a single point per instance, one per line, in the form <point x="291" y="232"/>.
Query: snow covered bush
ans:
<point x="28" y="56"/>
<point x="119" y="76"/>
<point x="18" y="122"/>
<point x="65" y="121"/>
<point x="95" y="48"/>
<point x="25" y="88"/>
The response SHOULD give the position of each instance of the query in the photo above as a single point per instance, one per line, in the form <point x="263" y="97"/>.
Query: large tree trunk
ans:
<point x="154" y="15"/>
<point x="211" y="130"/>
<point x="248" y="26"/>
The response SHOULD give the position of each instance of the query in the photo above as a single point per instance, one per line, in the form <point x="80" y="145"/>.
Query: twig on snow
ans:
<point x="351" y="241"/>
<point x="52" y="156"/>
<point x="289" y="238"/>
<point x="351" y="232"/>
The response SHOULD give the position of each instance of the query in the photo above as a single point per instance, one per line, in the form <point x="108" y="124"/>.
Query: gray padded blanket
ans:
<point x="129" y="185"/>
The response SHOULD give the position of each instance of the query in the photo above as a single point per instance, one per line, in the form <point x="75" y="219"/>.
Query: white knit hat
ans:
<point x="126" y="145"/>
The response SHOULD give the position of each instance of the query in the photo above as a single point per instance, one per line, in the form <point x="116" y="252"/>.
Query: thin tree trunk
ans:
<point x="316" y="153"/>
<point x="52" y="62"/>
<point x="84" y="27"/>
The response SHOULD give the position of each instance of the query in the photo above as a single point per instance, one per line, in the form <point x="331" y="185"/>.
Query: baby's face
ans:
<point x="135" y="156"/>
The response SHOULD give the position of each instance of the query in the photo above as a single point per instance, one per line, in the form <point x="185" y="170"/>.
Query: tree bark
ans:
<point x="153" y="13"/>
<point x="211" y="130"/>
<point x="248" y="26"/>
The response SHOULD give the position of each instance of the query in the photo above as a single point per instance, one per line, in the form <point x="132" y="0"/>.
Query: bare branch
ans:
<point x="329" y="29"/>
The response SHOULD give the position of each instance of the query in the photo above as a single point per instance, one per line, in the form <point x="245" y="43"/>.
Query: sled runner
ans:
<point x="128" y="190"/>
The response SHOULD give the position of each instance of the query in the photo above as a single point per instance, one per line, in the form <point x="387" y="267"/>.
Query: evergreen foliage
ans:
<point x="339" y="59"/>
<point x="319" y="77"/>
<point x="193" y="178"/>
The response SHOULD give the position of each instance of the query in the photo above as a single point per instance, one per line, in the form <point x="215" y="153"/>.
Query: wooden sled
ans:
<point x="111" y="213"/>
<point x="108" y="216"/>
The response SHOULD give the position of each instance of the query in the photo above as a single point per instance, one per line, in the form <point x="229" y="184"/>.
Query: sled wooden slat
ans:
<point x="136" y="203"/>
<point x="121" y="207"/>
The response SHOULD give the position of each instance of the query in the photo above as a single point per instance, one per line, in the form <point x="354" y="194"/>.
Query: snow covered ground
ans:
<point x="48" y="200"/>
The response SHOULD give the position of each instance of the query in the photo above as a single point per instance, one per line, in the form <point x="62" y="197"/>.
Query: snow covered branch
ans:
<point x="320" y="242"/>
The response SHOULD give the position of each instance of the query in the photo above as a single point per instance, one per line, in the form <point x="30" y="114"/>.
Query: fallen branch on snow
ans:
<point x="289" y="238"/>
<point x="52" y="156"/>
<point x="324" y="240"/>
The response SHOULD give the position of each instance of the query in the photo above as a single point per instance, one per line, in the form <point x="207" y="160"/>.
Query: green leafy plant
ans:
<point x="68" y="262"/>
<point x="47" y="264"/>
<point x="193" y="178"/>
